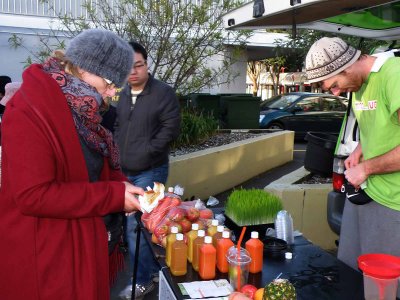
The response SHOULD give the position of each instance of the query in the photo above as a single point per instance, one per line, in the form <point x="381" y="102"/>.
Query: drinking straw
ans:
<point x="238" y="257"/>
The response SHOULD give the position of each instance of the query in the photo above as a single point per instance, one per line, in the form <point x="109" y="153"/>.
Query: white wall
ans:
<point x="10" y="59"/>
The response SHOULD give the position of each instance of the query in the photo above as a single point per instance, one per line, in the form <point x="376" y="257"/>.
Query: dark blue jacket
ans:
<point x="144" y="131"/>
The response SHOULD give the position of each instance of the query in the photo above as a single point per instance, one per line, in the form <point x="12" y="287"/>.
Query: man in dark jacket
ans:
<point x="148" y="120"/>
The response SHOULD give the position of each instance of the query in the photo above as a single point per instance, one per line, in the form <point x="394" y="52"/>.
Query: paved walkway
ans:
<point x="259" y="181"/>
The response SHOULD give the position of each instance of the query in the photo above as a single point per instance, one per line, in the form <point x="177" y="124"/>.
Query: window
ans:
<point x="309" y="104"/>
<point x="332" y="104"/>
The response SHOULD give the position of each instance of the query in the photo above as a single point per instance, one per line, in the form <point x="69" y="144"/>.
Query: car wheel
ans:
<point x="275" y="125"/>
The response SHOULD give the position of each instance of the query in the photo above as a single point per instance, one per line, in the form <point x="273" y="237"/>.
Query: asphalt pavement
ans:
<point x="259" y="181"/>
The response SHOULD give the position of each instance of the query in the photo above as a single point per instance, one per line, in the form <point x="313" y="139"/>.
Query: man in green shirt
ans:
<point x="374" y="165"/>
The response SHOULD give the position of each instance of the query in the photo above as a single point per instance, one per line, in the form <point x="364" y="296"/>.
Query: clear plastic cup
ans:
<point x="380" y="288"/>
<point x="238" y="266"/>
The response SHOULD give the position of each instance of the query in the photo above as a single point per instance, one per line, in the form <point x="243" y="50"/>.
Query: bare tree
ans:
<point x="274" y="66"/>
<point x="254" y="69"/>
<point x="185" y="38"/>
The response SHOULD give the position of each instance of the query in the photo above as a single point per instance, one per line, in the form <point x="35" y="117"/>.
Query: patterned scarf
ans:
<point x="83" y="100"/>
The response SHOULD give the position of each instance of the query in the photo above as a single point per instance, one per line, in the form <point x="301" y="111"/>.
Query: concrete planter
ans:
<point x="307" y="203"/>
<point x="212" y="171"/>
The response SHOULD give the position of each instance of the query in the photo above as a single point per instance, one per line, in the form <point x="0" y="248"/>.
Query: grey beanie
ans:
<point x="102" y="53"/>
<point x="328" y="57"/>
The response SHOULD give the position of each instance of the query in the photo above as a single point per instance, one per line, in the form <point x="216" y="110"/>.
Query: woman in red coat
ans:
<point x="61" y="175"/>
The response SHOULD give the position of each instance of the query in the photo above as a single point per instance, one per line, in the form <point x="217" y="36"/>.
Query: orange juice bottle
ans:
<point x="197" y="242"/>
<point x="213" y="228"/>
<point x="207" y="259"/>
<point x="223" y="246"/>
<point x="191" y="235"/>
<point x="170" y="240"/>
<point x="218" y="235"/>
<point x="255" y="248"/>
<point x="178" y="256"/>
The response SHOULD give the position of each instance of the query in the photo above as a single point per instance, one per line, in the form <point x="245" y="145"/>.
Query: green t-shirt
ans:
<point x="375" y="106"/>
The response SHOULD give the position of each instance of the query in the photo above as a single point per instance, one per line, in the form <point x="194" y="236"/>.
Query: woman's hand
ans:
<point x="131" y="200"/>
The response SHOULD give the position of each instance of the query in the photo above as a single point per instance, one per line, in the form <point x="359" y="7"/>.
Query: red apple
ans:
<point x="249" y="290"/>
<point x="192" y="214"/>
<point x="176" y="214"/>
<point x="175" y="201"/>
<point x="206" y="214"/>
<point x="186" y="225"/>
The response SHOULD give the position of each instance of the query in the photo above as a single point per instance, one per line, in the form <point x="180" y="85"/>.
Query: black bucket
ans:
<point x="319" y="153"/>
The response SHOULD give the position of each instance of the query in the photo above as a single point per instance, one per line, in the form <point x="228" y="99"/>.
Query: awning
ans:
<point x="379" y="19"/>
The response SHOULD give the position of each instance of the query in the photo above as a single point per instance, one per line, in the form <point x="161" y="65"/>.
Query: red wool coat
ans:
<point x="53" y="239"/>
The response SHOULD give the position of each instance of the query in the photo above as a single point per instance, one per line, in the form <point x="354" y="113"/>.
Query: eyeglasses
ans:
<point x="109" y="83"/>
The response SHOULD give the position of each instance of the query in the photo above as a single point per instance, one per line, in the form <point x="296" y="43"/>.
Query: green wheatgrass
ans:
<point x="252" y="207"/>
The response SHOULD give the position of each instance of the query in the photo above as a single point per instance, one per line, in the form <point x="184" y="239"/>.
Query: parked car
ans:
<point x="303" y="112"/>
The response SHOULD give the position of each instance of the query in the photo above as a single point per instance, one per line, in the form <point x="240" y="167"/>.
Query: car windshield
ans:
<point x="279" y="102"/>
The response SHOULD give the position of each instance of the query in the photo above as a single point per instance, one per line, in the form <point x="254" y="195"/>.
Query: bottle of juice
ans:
<point x="178" y="256"/>
<point x="213" y="228"/>
<point x="255" y="247"/>
<point x="197" y="242"/>
<point x="207" y="259"/>
<point x="191" y="235"/>
<point x="223" y="246"/>
<point x="218" y="235"/>
<point x="170" y="240"/>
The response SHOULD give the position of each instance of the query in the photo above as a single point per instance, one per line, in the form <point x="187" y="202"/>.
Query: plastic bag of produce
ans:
<point x="171" y="211"/>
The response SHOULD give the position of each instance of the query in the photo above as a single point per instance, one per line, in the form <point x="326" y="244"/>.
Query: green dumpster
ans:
<point x="240" y="112"/>
<point x="207" y="103"/>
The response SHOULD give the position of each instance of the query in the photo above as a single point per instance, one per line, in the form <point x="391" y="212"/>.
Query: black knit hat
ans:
<point x="102" y="53"/>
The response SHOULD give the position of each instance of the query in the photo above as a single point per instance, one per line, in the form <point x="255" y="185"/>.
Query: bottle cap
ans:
<point x="195" y="226"/>
<point x="288" y="255"/>
<point x="254" y="235"/>
<point x="170" y="189"/>
<point x="207" y="239"/>
<point x="214" y="222"/>
<point x="201" y="233"/>
<point x="174" y="229"/>
<point x="220" y="228"/>
<point x="179" y="237"/>
<point x="226" y="234"/>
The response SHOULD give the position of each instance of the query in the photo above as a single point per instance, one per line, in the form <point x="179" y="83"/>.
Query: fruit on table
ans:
<point x="186" y="225"/>
<point x="258" y="295"/>
<point x="279" y="289"/>
<point x="249" y="290"/>
<point x="206" y="214"/>
<point x="176" y="214"/>
<point x="192" y="214"/>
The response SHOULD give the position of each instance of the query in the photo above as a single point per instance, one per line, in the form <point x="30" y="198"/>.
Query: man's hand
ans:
<point x="354" y="158"/>
<point x="356" y="175"/>
<point x="131" y="201"/>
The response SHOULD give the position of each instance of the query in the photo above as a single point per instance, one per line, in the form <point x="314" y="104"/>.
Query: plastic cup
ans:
<point x="381" y="273"/>
<point x="380" y="288"/>
<point x="239" y="264"/>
